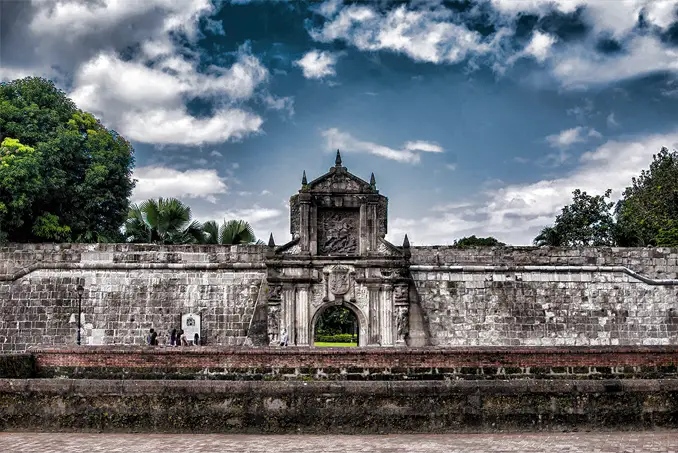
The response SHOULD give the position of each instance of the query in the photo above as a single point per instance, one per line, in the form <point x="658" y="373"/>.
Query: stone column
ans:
<point x="373" y="319"/>
<point x="289" y="309"/>
<point x="305" y="222"/>
<point x="302" y="334"/>
<point x="386" y="311"/>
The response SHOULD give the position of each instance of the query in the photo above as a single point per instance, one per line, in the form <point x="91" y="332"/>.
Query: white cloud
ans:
<point x="611" y="120"/>
<point x="156" y="181"/>
<point x="410" y="152"/>
<point x="146" y="103"/>
<point x="451" y="167"/>
<point x="582" y="66"/>
<point x="516" y="213"/>
<point x="317" y="64"/>
<point x="143" y="94"/>
<point x="569" y="137"/>
<point x="540" y="46"/>
<point x="426" y="35"/>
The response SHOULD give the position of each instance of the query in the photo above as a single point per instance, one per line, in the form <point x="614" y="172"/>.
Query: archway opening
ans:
<point x="337" y="326"/>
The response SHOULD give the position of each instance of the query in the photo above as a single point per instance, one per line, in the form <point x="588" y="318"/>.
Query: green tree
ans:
<point x="20" y="184"/>
<point x="84" y="171"/>
<point x="647" y="214"/>
<point x="473" y="241"/>
<point x="162" y="221"/>
<point x="335" y="320"/>
<point x="587" y="221"/>
<point x="232" y="232"/>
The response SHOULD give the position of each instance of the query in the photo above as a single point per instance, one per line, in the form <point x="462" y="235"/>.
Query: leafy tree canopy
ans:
<point x="473" y="241"/>
<point x="587" y="221"/>
<point x="232" y="232"/>
<point x="64" y="176"/>
<point x="648" y="211"/>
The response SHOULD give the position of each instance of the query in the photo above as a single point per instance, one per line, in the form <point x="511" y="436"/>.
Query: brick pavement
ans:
<point x="627" y="442"/>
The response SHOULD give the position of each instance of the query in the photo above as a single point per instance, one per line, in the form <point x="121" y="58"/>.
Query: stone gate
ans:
<point x="338" y="256"/>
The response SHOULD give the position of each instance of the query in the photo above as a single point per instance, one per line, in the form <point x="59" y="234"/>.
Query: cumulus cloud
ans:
<point x="515" y="213"/>
<point x="427" y="35"/>
<point x="409" y="153"/>
<point x="317" y="64"/>
<point x="157" y="181"/>
<point x="124" y="62"/>
<point x="428" y="32"/>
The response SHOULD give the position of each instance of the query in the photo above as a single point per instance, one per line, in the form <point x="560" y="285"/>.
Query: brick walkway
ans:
<point x="645" y="442"/>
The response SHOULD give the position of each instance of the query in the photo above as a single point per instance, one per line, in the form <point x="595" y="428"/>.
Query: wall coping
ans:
<point x="356" y="352"/>
<point x="481" y="269"/>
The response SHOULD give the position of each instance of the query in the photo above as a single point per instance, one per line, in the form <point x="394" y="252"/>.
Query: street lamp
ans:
<point x="80" y="290"/>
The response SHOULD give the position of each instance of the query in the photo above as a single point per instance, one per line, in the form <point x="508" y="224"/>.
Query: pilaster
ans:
<point x="386" y="314"/>
<point x="302" y="309"/>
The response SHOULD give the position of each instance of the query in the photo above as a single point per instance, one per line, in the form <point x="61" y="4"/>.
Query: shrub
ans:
<point x="339" y="338"/>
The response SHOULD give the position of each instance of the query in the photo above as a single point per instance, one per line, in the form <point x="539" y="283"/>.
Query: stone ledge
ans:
<point x="90" y="387"/>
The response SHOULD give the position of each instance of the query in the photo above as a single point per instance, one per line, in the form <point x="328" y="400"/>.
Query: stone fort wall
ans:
<point x="129" y="288"/>
<point x="510" y="296"/>
<point x="532" y="296"/>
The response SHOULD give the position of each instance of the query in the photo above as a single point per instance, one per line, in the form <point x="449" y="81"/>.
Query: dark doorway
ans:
<point x="337" y="326"/>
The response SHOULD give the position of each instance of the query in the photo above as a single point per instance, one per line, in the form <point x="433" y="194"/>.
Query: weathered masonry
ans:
<point x="338" y="256"/>
<point x="401" y="295"/>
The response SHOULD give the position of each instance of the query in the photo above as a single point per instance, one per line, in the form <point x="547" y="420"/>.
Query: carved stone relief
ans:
<point x="273" y="322"/>
<point x="339" y="281"/>
<point x="274" y="292"/>
<point x="338" y="232"/>
<point x="402" y="322"/>
<point x="338" y="183"/>
<point x="401" y="294"/>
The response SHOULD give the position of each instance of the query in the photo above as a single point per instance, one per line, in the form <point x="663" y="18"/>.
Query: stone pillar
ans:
<point x="386" y="311"/>
<point x="373" y="315"/>
<point x="288" y="312"/>
<point x="302" y="330"/>
<point x="305" y="223"/>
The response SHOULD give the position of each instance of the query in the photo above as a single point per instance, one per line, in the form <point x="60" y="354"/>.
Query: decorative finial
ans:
<point x="406" y="242"/>
<point x="373" y="182"/>
<point x="271" y="242"/>
<point x="337" y="161"/>
<point x="303" y="179"/>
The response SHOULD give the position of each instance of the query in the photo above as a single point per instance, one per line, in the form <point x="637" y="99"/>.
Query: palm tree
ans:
<point x="165" y="221"/>
<point x="233" y="232"/>
<point x="549" y="236"/>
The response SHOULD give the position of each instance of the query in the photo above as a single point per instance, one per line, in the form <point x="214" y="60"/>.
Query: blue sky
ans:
<point x="477" y="117"/>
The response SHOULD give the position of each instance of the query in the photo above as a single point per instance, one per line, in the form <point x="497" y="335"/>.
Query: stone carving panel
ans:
<point x="338" y="232"/>
<point x="339" y="280"/>
<point x="339" y="183"/>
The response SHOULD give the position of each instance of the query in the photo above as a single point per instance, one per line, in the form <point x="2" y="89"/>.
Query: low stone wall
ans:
<point x="374" y="364"/>
<point x="336" y="407"/>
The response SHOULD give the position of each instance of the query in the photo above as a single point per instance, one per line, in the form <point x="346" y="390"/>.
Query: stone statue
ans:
<point x="273" y="322"/>
<point x="402" y="323"/>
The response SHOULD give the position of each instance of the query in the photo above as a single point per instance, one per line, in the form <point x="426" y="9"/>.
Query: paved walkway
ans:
<point x="646" y="442"/>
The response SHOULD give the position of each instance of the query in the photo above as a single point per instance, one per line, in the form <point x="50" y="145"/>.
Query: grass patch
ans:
<point x="325" y="344"/>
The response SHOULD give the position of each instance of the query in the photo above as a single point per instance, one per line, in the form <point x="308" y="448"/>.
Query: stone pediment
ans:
<point x="340" y="180"/>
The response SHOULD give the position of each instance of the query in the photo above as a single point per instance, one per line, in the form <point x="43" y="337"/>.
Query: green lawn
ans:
<point x="323" y="344"/>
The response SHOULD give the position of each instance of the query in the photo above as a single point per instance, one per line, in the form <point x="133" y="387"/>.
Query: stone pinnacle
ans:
<point x="337" y="161"/>
<point x="271" y="242"/>
<point x="303" y="179"/>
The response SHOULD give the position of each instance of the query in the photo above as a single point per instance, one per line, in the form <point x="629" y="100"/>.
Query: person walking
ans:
<point x="173" y="337"/>
<point x="284" y="337"/>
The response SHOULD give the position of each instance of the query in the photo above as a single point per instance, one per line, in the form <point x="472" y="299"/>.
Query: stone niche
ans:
<point x="338" y="256"/>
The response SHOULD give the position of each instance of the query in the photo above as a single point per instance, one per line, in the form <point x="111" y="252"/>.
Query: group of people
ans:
<point x="177" y="338"/>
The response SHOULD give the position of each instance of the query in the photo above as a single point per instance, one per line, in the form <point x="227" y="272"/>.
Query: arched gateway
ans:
<point x="338" y="256"/>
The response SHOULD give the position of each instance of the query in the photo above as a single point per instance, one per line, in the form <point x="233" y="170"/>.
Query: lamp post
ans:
<point x="80" y="290"/>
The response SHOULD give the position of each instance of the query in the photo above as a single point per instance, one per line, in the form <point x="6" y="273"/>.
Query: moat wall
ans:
<point x="509" y="296"/>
